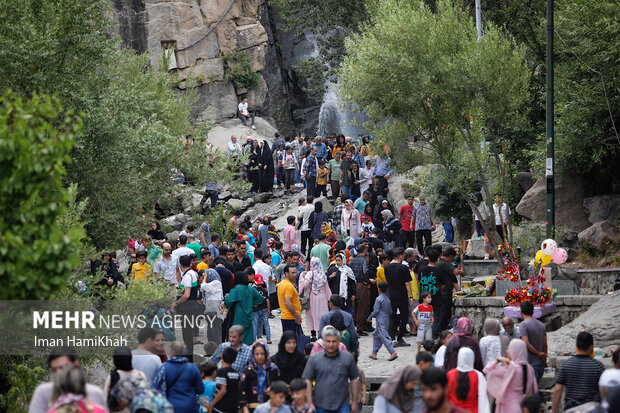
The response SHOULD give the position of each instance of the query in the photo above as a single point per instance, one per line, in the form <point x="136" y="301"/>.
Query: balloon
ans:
<point x="548" y="246"/>
<point x="559" y="256"/>
<point x="542" y="258"/>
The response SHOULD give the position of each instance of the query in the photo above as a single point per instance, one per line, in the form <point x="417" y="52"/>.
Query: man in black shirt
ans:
<point x="241" y="257"/>
<point x="435" y="280"/>
<point x="399" y="281"/>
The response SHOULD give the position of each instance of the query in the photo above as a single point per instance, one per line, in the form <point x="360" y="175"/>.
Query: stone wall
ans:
<point x="477" y="309"/>
<point x="597" y="281"/>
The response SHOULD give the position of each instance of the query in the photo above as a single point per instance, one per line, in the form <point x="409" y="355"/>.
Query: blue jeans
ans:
<point x="297" y="176"/>
<point x="261" y="320"/>
<point x="346" y="190"/>
<point x="246" y="120"/>
<point x="345" y="408"/>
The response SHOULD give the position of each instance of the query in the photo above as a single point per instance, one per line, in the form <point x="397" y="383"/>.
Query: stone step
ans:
<point x="480" y="267"/>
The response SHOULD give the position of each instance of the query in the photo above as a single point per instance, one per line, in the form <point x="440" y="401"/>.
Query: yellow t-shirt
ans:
<point x="141" y="272"/>
<point x="321" y="178"/>
<point x="380" y="275"/>
<point x="415" y="288"/>
<point x="287" y="289"/>
<point x="202" y="266"/>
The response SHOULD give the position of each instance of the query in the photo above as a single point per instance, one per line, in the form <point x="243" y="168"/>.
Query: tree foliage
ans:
<point x="588" y="69"/>
<point x="134" y="123"/>
<point x="36" y="252"/>
<point x="424" y="75"/>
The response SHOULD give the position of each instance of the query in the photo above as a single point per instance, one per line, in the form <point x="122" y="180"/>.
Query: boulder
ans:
<point x="569" y="211"/>
<point x="237" y="204"/>
<point x="262" y="197"/>
<point x="602" y="320"/>
<point x="176" y="222"/>
<point x="439" y="235"/>
<point x="603" y="208"/>
<point x="182" y="23"/>
<point x="220" y="134"/>
<point x="250" y="35"/>
<point x="216" y="101"/>
<point x="599" y="234"/>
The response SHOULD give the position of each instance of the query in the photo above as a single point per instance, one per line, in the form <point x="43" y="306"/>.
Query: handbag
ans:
<point x="302" y="339"/>
<point x="305" y="299"/>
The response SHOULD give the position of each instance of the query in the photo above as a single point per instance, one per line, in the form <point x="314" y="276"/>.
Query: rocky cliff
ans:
<point x="203" y="33"/>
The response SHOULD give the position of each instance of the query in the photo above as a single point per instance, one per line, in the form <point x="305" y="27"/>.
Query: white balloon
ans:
<point x="549" y="246"/>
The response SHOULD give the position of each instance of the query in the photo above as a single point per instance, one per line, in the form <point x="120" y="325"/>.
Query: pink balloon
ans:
<point x="559" y="256"/>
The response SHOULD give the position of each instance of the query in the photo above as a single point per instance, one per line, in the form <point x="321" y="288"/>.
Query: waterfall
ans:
<point x="332" y="118"/>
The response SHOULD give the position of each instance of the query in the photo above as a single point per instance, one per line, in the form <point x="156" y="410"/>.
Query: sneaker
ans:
<point x="486" y="256"/>
<point x="402" y="343"/>
<point x="362" y="334"/>
<point x="253" y="127"/>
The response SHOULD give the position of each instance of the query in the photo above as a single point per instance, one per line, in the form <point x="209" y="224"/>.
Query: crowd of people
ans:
<point x="361" y="262"/>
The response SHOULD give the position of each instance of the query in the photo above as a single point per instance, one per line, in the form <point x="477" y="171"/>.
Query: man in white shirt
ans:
<point x="306" y="231"/>
<point x="234" y="149"/>
<point x="244" y="115"/>
<point x="167" y="265"/>
<point x="263" y="268"/>
<point x="181" y="251"/>
<point x="60" y="358"/>
<point x="502" y="212"/>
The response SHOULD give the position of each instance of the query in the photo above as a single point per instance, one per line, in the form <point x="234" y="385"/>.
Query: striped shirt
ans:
<point x="579" y="375"/>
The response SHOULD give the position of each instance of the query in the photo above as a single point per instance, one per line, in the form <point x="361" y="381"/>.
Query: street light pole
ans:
<point x="549" y="167"/>
<point x="478" y="20"/>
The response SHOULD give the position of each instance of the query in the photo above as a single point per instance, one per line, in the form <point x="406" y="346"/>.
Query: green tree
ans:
<point x="134" y="123"/>
<point x="423" y="76"/>
<point x="587" y="98"/>
<point x="36" y="252"/>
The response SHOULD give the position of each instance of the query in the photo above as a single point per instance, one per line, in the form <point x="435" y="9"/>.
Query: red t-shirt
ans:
<point x="424" y="313"/>
<point x="406" y="211"/>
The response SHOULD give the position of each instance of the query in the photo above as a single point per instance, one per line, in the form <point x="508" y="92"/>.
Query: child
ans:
<point x="531" y="404"/>
<point x="321" y="179"/>
<point x="423" y="360"/>
<point x="382" y="312"/>
<point x="440" y="354"/>
<point x="424" y="318"/>
<point x="298" y="394"/>
<point x="227" y="385"/>
<point x="367" y="225"/>
<point x="261" y="311"/>
<point x="141" y="270"/>
<point x="277" y="395"/>
<point x="208" y="371"/>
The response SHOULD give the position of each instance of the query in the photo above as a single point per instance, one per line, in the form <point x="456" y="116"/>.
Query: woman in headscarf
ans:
<point x="266" y="168"/>
<point x="290" y="361"/>
<point x="342" y="281"/>
<point x="319" y="345"/>
<point x="468" y="387"/>
<point x="381" y="204"/>
<point x="255" y="160"/>
<point x="492" y="345"/>
<point x="69" y="393"/>
<point x="157" y="235"/>
<point x="462" y="338"/>
<point x="212" y="296"/>
<point x="511" y="379"/>
<point x="341" y="144"/>
<point x="354" y="178"/>
<point x="122" y="370"/>
<point x="391" y="229"/>
<point x="257" y="378"/>
<point x="136" y="394"/>
<point x="317" y="218"/>
<point x="350" y="221"/>
<point x="339" y="246"/>
<point x="244" y="298"/>
<point x="330" y="234"/>
<point x="396" y="394"/>
<point x="313" y="283"/>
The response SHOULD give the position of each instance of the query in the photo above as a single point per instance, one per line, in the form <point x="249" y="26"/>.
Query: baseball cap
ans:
<point x="258" y="279"/>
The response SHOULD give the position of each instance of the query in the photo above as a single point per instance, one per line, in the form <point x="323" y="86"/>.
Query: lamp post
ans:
<point x="549" y="167"/>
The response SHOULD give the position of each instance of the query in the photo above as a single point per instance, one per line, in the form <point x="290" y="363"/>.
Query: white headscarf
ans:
<point x="465" y="364"/>
<point x="345" y="272"/>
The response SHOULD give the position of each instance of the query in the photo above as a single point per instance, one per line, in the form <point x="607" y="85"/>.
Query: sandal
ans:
<point x="393" y="357"/>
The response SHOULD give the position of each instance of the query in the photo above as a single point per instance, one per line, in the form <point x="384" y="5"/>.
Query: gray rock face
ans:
<point x="131" y="25"/>
<point x="237" y="204"/>
<point x="599" y="234"/>
<point x="603" y="208"/>
<point x="475" y="248"/>
<point x="526" y="181"/>
<point x="250" y="35"/>
<point x="602" y="320"/>
<point x="569" y="203"/>
<point x="176" y="222"/>
<point x="216" y="101"/>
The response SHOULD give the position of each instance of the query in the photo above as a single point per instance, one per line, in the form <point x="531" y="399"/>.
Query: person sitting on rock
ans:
<point x="244" y="115"/>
